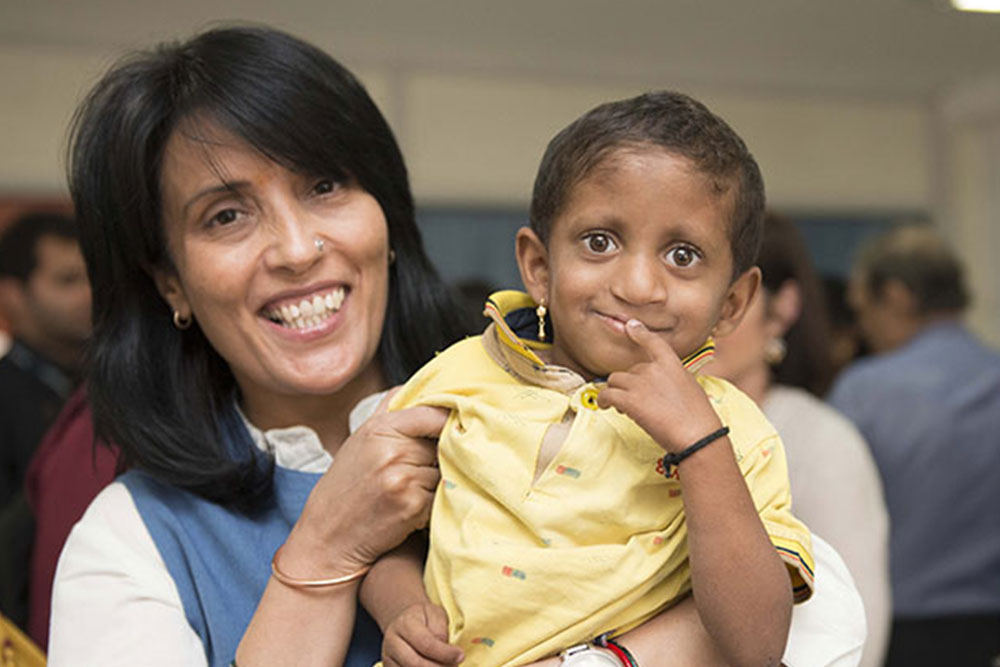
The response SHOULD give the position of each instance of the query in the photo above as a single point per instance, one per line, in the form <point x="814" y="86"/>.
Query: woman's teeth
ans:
<point x="308" y="312"/>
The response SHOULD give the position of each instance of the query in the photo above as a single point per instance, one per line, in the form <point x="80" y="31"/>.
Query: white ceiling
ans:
<point x="882" y="48"/>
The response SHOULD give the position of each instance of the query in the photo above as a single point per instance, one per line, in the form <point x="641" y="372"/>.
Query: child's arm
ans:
<point x="414" y="630"/>
<point x="741" y="587"/>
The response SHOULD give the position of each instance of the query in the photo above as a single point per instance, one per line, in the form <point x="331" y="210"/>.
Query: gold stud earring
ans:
<point x="775" y="351"/>
<point x="392" y="256"/>
<point x="180" y="321"/>
<point x="541" y="311"/>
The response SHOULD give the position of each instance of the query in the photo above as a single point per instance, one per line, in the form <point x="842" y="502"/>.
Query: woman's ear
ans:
<point x="785" y="306"/>
<point x="170" y="288"/>
<point x="533" y="262"/>
<point x="737" y="300"/>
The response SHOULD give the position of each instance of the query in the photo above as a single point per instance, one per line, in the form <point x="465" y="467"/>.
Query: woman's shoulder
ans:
<point x="795" y="412"/>
<point x="111" y="530"/>
<point x="113" y="600"/>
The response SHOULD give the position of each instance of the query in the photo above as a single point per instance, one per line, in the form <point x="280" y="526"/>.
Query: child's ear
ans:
<point x="533" y="262"/>
<point x="741" y="293"/>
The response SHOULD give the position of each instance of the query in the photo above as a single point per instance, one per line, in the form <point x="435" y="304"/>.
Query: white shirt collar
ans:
<point x="299" y="447"/>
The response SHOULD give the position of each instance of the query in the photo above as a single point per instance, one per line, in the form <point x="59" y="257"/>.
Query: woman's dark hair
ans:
<point x="165" y="396"/>
<point x="783" y="257"/>
<point x="667" y="120"/>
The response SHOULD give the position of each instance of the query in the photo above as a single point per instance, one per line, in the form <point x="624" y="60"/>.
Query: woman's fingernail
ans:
<point x="633" y="323"/>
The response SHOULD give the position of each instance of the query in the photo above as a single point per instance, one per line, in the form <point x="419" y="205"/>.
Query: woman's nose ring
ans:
<point x="319" y="244"/>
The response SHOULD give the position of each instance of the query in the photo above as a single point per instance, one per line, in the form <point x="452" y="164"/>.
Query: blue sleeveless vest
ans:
<point x="220" y="559"/>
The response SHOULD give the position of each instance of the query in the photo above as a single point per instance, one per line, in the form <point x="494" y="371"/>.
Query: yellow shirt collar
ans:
<point x="516" y="322"/>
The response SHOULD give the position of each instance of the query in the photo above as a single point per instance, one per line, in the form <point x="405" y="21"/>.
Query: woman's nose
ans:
<point x="294" y="244"/>
<point x="640" y="281"/>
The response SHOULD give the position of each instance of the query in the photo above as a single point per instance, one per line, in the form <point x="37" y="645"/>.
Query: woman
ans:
<point x="257" y="272"/>
<point x="779" y="355"/>
<point x="249" y="231"/>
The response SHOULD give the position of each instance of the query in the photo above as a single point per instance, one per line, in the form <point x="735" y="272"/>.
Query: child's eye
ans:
<point x="599" y="242"/>
<point x="682" y="256"/>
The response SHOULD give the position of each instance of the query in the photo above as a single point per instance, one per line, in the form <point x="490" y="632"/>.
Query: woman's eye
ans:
<point x="599" y="243"/>
<point x="682" y="256"/>
<point x="224" y="217"/>
<point x="325" y="186"/>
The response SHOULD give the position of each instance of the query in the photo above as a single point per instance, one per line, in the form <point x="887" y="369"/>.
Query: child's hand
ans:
<point x="660" y="395"/>
<point x="418" y="637"/>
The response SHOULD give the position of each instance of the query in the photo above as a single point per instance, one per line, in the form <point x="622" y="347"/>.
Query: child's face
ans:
<point x="644" y="236"/>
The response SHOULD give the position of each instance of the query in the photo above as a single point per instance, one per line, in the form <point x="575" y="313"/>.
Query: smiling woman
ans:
<point x="247" y="248"/>
<point x="257" y="271"/>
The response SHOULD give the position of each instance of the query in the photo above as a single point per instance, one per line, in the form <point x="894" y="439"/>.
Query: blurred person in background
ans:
<point x="779" y="356"/>
<point x="67" y="471"/>
<point x="928" y="402"/>
<point x="846" y="343"/>
<point x="45" y="296"/>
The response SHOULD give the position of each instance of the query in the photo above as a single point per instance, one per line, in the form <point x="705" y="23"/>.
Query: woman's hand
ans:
<point x="377" y="491"/>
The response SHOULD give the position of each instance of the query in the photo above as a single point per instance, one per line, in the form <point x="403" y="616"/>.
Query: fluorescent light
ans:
<point x="976" y="5"/>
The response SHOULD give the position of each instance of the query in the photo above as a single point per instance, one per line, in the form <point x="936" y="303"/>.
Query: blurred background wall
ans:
<point x="861" y="113"/>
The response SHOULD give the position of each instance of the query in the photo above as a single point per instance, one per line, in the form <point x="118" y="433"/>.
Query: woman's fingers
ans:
<point x="383" y="404"/>
<point x="380" y="485"/>
<point x="419" y="422"/>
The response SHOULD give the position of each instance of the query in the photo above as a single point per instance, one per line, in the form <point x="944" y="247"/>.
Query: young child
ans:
<point x="590" y="476"/>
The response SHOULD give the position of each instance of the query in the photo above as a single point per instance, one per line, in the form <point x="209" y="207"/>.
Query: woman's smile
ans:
<point x="308" y="313"/>
<point x="286" y="273"/>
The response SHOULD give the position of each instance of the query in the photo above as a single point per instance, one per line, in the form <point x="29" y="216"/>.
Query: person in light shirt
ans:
<point x="778" y="356"/>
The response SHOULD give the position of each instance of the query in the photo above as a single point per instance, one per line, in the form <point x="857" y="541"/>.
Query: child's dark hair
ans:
<point x="668" y="120"/>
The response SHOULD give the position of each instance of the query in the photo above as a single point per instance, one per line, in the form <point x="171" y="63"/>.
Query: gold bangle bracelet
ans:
<point x="312" y="583"/>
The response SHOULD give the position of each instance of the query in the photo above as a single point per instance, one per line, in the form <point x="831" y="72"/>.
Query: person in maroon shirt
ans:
<point x="65" y="474"/>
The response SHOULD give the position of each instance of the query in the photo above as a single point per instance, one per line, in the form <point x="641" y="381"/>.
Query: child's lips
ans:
<point x="618" y="322"/>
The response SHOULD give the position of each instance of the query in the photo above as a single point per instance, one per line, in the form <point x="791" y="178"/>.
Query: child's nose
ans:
<point x="640" y="281"/>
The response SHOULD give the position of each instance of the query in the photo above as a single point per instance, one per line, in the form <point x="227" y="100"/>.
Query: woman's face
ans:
<point x="286" y="273"/>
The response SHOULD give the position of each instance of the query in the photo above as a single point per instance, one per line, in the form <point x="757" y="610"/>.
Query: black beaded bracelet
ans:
<point x="670" y="460"/>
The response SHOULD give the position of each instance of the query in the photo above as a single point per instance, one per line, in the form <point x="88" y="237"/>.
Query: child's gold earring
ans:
<point x="541" y="312"/>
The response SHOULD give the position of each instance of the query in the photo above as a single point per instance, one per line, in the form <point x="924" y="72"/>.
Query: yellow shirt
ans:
<point x="527" y="566"/>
